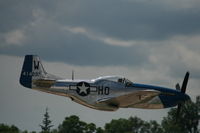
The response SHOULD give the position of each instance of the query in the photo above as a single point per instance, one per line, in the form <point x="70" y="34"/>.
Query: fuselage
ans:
<point x="93" y="93"/>
<point x="104" y="93"/>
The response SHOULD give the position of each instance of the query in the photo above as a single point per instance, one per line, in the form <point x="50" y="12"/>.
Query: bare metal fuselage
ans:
<point x="104" y="93"/>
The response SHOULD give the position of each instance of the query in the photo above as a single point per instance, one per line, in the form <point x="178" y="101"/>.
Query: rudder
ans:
<point x="32" y="69"/>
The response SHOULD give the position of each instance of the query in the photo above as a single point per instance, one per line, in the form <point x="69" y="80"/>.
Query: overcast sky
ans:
<point x="147" y="41"/>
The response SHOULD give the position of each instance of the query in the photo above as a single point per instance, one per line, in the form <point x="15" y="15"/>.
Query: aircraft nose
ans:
<point x="187" y="97"/>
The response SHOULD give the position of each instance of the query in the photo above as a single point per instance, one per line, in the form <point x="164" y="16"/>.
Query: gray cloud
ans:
<point x="149" y="20"/>
<point x="146" y="20"/>
<point x="87" y="53"/>
<point x="49" y="39"/>
<point x="105" y="33"/>
<point x="148" y="41"/>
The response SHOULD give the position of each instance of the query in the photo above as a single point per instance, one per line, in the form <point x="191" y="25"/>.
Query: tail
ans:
<point x="33" y="71"/>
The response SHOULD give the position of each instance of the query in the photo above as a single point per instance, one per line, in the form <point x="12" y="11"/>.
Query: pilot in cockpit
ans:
<point x="120" y="80"/>
<point x="125" y="81"/>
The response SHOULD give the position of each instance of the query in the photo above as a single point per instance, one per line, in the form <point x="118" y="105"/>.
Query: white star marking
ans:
<point x="83" y="88"/>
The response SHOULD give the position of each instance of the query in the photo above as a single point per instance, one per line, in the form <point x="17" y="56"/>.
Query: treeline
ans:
<point x="186" y="122"/>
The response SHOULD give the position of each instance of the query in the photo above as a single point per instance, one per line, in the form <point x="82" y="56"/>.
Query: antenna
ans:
<point x="72" y="74"/>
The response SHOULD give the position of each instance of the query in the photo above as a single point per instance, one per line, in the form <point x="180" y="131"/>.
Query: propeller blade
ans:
<point x="72" y="74"/>
<point x="178" y="111"/>
<point x="185" y="81"/>
<point x="178" y="87"/>
<point x="183" y="89"/>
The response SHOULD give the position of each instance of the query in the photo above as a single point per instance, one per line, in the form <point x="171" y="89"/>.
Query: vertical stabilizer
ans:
<point x="32" y="70"/>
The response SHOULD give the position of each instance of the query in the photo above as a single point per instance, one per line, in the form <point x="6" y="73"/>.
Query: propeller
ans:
<point x="72" y="74"/>
<point x="183" y="89"/>
<point x="185" y="81"/>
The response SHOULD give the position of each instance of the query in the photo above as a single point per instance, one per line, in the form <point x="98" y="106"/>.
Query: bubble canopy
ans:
<point x="115" y="79"/>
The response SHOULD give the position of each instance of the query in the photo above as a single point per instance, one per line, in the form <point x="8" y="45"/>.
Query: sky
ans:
<point x="147" y="41"/>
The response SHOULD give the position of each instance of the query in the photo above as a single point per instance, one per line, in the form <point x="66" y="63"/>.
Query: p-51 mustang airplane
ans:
<point x="104" y="93"/>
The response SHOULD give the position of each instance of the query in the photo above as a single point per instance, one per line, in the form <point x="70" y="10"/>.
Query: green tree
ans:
<point x="187" y="121"/>
<point x="99" y="130"/>
<point x="155" y="127"/>
<point x="132" y="125"/>
<point x="8" y="129"/>
<point x="46" y="123"/>
<point x="137" y="124"/>
<point x="150" y="127"/>
<point x="90" y="128"/>
<point x="118" y="126"/>
<point x="73" y="124"/>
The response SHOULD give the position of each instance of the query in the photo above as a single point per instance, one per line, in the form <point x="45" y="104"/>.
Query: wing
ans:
<point x="44" y="82"/>
<point x="139" y="99"/>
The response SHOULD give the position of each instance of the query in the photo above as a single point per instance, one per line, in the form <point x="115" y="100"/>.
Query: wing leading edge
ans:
<point x="140" y="99"/>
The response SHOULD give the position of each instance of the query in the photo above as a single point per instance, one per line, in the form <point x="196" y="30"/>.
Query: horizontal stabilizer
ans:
<point x="43" y="83"/>
<point x="34" y="75"/>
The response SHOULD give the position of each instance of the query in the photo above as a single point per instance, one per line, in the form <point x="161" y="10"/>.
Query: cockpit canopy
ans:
<point x="122" y="80"/>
